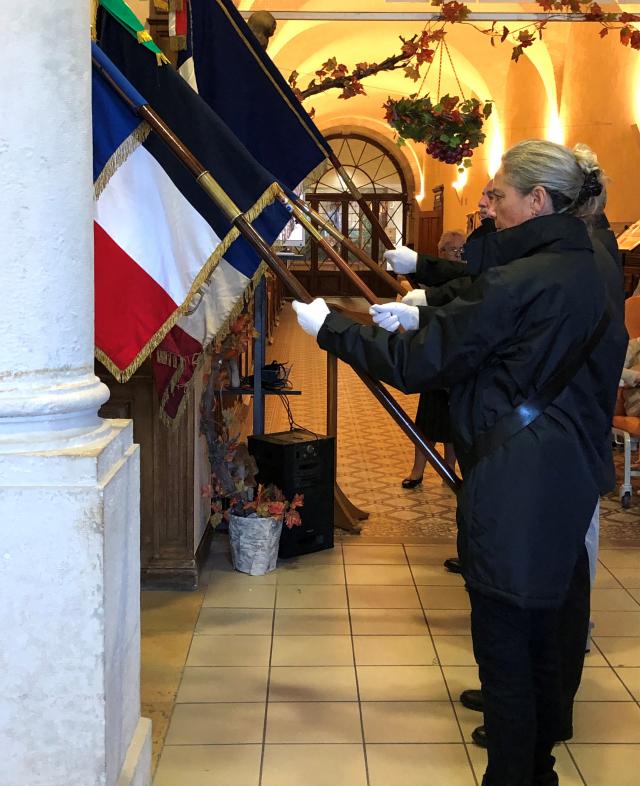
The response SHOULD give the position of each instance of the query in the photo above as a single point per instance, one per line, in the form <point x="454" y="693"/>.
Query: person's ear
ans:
<point x="540" y="201"/>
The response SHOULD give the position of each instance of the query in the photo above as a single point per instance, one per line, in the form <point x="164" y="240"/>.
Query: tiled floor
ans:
<point x="343" y="668"/>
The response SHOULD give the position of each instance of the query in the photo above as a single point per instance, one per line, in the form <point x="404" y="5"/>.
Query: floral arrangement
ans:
<point x="233" y="487"/>
<point x="451" y="129"/>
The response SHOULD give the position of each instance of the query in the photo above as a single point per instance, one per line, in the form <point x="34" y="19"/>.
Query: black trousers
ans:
<point x="530" y="664"/>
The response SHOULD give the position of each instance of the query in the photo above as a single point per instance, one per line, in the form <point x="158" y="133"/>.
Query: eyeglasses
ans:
<point x="453" y="249"/>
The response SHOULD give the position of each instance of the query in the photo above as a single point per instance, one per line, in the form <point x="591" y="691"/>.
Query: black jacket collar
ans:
<point x="556" y="232"/>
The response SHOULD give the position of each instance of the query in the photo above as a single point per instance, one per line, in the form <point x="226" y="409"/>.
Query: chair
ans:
<point x="627" y="428"/>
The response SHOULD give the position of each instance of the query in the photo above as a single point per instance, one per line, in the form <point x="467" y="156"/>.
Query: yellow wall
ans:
<point x="572" y="87"/>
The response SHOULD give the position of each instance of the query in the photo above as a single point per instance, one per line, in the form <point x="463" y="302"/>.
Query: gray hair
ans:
<point x="573" y="178"/>
<point x="446" y="237"/>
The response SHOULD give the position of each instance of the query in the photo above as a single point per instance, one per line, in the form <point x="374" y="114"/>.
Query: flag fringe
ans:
<point x="178" y="42"/>
<point x="94" y="20"/>
<point x="223" y="332"/>
<point x="119" y="156"/>
<point x="123" y="375"/>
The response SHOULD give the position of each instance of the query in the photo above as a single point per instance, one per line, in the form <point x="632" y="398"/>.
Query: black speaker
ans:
<point x="300" y="463"/>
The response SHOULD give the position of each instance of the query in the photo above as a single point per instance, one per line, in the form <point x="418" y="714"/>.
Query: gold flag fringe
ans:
<point x="161" y="5"/>
<point x="119" y="156"/>
<point x="223" y="332"/>
<point x="94" y="20"/>
<point x="177" y="42"/>
<point x="123" y="375"/>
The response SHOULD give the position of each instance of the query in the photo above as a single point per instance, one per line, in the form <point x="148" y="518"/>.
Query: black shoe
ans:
<point x="479" y="736"/>
<point x="472" y="700"/>
<point x="453" y="565"/>
<point x="411" y="483"/>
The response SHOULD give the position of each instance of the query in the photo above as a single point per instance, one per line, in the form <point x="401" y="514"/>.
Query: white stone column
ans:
<point x="69" y="481"/>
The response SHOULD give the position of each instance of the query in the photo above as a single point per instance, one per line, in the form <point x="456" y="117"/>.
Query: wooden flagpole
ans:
<point x="235" y="216"/>
<point x="359" y="253"/>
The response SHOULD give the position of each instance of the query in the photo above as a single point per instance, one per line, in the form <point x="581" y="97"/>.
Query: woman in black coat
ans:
<point x="525" y="506"/>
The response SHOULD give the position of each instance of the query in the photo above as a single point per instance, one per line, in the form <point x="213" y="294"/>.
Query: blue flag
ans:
<point x="240" y="82"/>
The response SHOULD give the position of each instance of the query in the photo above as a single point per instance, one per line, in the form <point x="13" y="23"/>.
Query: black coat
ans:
<point x="445" y="277"/>
<point x="524" y="510"/>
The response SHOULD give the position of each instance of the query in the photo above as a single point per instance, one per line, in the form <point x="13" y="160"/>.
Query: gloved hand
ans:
<point x="402" y="260"/>
<point x="417" y="297"/>
<point x="311" y="315"/>
<point x="390" y="316"/>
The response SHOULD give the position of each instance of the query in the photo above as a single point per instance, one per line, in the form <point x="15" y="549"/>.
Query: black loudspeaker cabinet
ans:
<point x="299" y="462"/>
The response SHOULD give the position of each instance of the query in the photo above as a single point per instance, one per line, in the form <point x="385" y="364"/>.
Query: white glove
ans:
<point x="402" y="260"/>
<point x="416" y="297"/>
<point x="390" y="316"/>
<point x="311" y="315"/>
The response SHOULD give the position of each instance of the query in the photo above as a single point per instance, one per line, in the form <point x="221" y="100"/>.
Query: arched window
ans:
<point x="378" y="176"/>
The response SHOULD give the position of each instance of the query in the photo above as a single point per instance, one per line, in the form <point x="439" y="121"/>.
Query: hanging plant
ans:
<point x="450" y="129"/>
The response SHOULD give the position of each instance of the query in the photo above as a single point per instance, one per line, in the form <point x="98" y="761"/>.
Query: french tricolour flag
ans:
<point x="159" y="241"/>
<point x="153" y="250"/>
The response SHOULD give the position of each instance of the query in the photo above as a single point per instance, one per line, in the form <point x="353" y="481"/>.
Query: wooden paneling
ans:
<point x="631" y="261"/>
<point x="429" y="231"/>
<point x="167" y="549"/>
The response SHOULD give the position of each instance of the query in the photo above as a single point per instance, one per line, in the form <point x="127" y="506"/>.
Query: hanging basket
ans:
<point x="254" y="543"/>
<point x="450" y="129"/>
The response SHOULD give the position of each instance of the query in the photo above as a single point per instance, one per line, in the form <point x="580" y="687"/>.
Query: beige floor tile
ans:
<point x="448" y="622"/>
<point x="431" y="554"/>
<point x="325" y="557"/>
<point x="379" y="574"/>
<point x="251" y="596"/>
<point x="612" y="600"/>
<point x="454" y="650"/>
<point x="605" y="579"/>
<point x="419" y="765"/>
<point x="468" y="719"/>
<point x="312" y="596"/>
<point x="608" y="765"/>
<point x="617" y="623"/>
<point x="312" y="651"/>
<point x="314" y="722"/>
<point x="631" y="678"/>
<point x="223" y="683"/>
<point x="313" y="683"/>
<point x="387" y="597"/>
<point x="601" y="685"/>
<point x="635" y="594"/>
<point x="209" y="765"/>
<point x="628" y="577"/>
<point x="435" y="576"/>
<point x="401" y="683"/>
<point x="409" y="721"/>
<point x="620" y="558"/>
<point x="444" y="598"/>
<point x="225" y="622"/>
<point x="211" y="724"/>
<point x="229" y="651"/>
<point x="374" y="555"/>
<point x="604" y="721"/>
<point x="619" y="650"/>
<point x="311" y="574"/>
<point x="595" y="658"/>
<point x="459" y="678"/>
<point x="314" y="765"/>
<point x="388" y="622"/>
<point x="394" y="651"/>
<point x="566" y="769"/>
<point x="224" y="574"/>
<point x="312" y="622"/>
